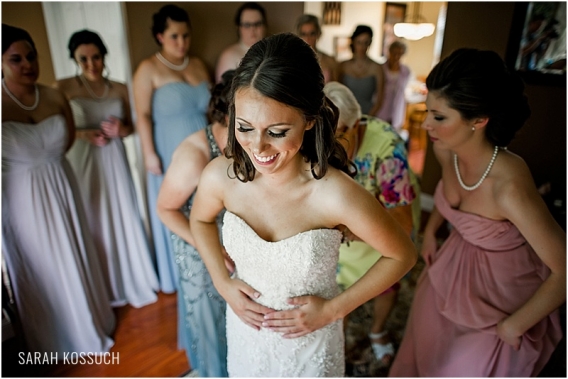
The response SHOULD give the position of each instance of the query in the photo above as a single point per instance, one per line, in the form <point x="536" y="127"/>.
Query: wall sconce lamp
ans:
<point x="415" y="27"/>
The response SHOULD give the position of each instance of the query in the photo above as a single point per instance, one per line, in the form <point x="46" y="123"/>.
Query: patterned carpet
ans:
<point x="360" y="360"/>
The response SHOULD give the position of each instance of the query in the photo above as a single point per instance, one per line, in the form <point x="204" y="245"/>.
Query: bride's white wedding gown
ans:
<point x="304" y="264"/>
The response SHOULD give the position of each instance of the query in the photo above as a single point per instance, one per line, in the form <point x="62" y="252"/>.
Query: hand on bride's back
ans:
<point x="239" y="296"/>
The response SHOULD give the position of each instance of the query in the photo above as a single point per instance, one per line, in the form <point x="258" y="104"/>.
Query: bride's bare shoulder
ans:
<point x="219" y="168"/>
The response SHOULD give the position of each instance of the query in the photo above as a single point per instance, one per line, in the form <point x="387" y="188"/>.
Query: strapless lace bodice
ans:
<point x="303" y="264"/>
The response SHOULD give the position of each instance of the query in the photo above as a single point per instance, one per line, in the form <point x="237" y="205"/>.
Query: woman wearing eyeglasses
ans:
<point x="308" y="29"/>
<point x="363" y="76"/>
<point x="251" y="24"/>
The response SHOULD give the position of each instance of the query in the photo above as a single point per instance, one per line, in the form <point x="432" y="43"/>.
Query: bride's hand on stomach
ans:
<point x="238" y="295"/>
<point x="311" y="313"/>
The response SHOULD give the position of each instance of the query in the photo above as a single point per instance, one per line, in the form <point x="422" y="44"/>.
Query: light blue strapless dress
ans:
<point x="178" y="110"/>
<point x="363" y="89"/>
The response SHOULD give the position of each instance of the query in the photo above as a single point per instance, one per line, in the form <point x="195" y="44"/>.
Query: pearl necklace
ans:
<point x="175" y="67"/>
<point x="24" y="107"/>
<point x="91" y="92"/>
<point x="468" y="188"/>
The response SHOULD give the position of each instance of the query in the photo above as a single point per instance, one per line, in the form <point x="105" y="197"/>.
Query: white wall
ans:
<point x="420" y="54"/>
<point x="105" y="18"/>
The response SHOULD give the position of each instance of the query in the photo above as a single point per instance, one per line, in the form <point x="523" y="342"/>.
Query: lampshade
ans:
<point x="413" y="31"/>
<point x="415" y="27"/>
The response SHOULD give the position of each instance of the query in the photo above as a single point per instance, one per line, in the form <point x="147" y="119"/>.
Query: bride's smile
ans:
<point x="270" y="132"/>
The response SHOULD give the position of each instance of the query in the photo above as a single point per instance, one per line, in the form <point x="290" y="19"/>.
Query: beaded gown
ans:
<point x="55" y="272"/>
<point x="110" y="200"/>
<point x="201" y="310"/>
<point x="178" y="110"/>
<point x="303" y="264"/>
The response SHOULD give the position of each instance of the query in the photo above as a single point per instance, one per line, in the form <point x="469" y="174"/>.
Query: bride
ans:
<point x="286" y="185"/>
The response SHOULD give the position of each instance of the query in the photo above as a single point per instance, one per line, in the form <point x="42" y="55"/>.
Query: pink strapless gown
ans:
<point x="484" y="272"/>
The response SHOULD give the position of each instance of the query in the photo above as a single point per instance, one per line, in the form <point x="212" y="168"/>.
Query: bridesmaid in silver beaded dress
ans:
<point x="102" y="114"/>
<point x="201" y="308"/>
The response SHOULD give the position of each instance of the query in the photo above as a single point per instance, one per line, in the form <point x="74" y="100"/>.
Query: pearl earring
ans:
<point x="473" y="128"/>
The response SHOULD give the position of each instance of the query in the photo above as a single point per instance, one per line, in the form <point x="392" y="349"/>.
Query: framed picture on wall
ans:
<point x="537" y="43"/>
<point x="394" y="12"/>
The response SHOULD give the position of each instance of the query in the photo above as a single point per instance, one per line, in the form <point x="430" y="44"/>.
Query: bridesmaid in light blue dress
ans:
<point x="171" y="94"/>
<point x="362" y="75"/>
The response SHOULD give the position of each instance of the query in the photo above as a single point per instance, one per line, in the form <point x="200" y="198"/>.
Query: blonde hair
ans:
<point x="345" y="101"/>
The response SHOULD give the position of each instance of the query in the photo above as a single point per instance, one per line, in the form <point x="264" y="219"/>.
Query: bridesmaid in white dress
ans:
<point x="287" y="187"/>
<point x="54" y="269"/>
<point x="102" y="114"/>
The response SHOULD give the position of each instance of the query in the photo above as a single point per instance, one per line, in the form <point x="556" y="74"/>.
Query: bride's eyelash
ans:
<point x="272" y="134"/>
<point x="277" y="135"/>
<point x="242" y="129"/>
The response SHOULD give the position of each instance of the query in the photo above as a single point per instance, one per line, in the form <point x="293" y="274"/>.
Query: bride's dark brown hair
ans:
<point x="285" y="68"/>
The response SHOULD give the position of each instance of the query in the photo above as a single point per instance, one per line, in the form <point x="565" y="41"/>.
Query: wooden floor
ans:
<point x="145" y="344"/>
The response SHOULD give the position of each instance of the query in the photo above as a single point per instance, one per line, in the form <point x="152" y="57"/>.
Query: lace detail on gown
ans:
<point x="304" y="264"/>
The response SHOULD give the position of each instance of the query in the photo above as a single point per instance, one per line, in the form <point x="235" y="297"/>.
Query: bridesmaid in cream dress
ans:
<point x="102" y="114"/>
<point x="54" y="270"/>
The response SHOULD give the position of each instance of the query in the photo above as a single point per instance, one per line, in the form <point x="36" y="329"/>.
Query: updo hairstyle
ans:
<point x="85" y="37"/>
<point x="219" y="102"/>
<point x="160" y="19"/>
<point x="477" y="83"/>
<point x="11" y="34"/>
<point x="360" y="29"/>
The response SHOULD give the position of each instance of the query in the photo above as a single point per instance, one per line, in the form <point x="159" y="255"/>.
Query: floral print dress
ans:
<point x="382" y="168"/>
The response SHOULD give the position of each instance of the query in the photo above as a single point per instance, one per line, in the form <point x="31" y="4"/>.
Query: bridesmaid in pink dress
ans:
<point x="487" y="302"/>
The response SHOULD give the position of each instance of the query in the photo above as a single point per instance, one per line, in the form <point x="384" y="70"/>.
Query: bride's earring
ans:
<point x="107" y="72"/>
